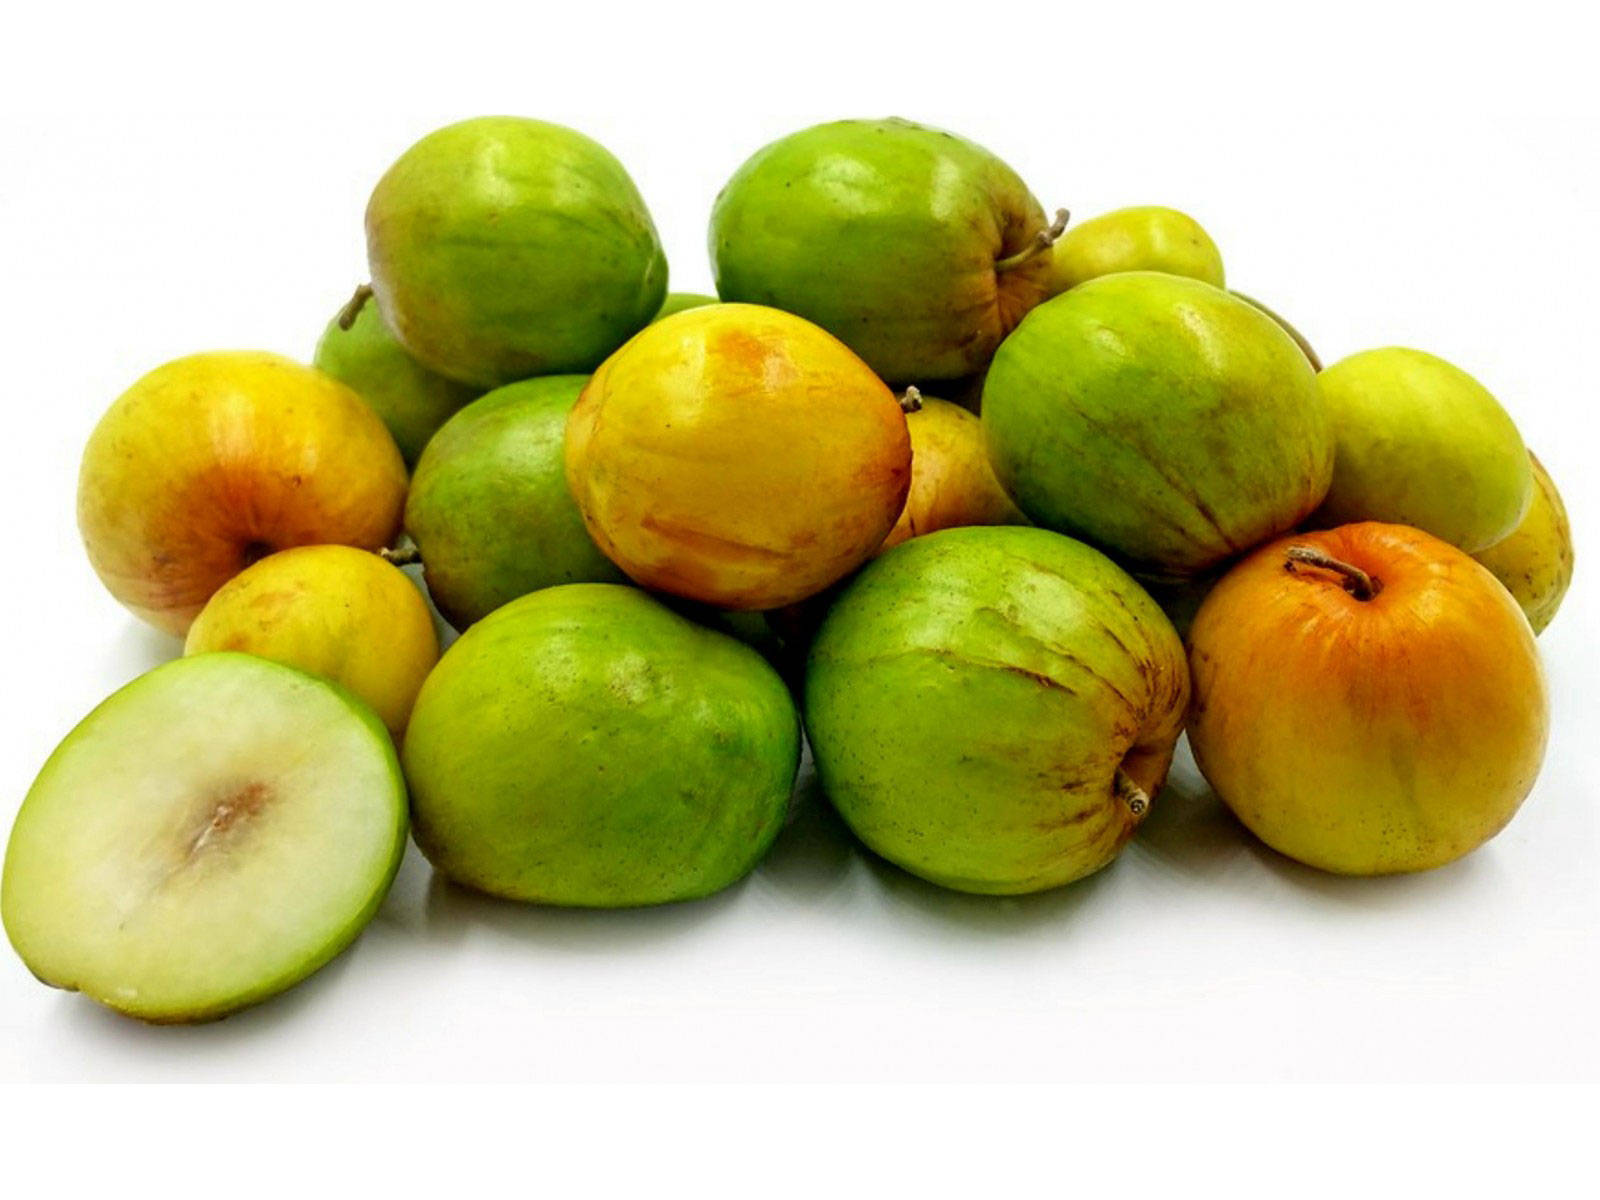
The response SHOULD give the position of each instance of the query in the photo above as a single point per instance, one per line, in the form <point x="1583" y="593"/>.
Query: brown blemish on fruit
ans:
<point x="235" y="807"/>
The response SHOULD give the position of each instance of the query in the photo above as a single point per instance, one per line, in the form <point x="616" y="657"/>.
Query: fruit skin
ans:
<point x="738" y="456"/>
<point x="214" y="461"/>
<point x="585" y="745"/>
<point x="34" y="847"/>
<point x="412" y="400"/>
<point x="1367" y="737"/>
<point x="952" y="482"/>
<point x="1535" y="561"/>
<point x="332" y="611"/>
<point x="1160" y="418"/>
<point x="971" y="696"/>
<point x="489" y="506"/>
<point x="1300" y="339"/>
<point x="885" y="233"/>
<point x="677" y="302"/>
<point x="503" y="247"/>
<point x="1146" y="238"/>
<point x="1422" y="443"/>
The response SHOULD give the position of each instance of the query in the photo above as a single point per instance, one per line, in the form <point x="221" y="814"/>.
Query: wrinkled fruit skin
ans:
<point x="412" y="400"/>
<point x="489" y="507"/>
<point x="1367" y="737"/>
<point x="971" y="696"/>
<point x="585" y="745"/>
<point x="738" y="456"/>
<point x="1159" y="418"/>
<point x="336" y="612"/>
<point x="677" y="302"/>
<point x="1422" y="443"/>
<point x="1147" y="238"/>
<point x="503" y="247"/>
<point x="1535" y="561"/>
<point x="214" y="461"/>
<point x="885" y="233"/>
<point x="952" y="482"/>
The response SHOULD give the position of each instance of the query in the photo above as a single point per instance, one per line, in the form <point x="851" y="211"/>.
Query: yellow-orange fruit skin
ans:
<point x="1367" y="737"/>
<point x="737" y="455"/>
<point x="214" y="461"/>
<point x="952" y="482"/>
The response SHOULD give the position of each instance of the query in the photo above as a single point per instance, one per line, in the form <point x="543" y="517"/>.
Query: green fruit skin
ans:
<point x="1420" y="442"/>
<point x="886" y="234"/>
<point x="677" y="302"/>
<point x="502" y="248"/>
<point x="971" y="695"/>
<point x="1160" y="418"/>
<point x="129" y="693"/>
<point x="489" y="507"/>
<point x="412" y="400"/>
<point x="1147" y="238"/>
<point x="585" y="745"/>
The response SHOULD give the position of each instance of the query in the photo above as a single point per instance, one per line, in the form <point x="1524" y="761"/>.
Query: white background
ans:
<point x="170" y="183"/>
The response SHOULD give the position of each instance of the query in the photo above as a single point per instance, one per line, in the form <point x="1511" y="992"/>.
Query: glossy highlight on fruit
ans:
<point x="1148" y="238"/>
<point x="585" y="745"/>
<point x="214" y="461"/>
<point x="738" y="456"/>
<point x="1367" y="699"/>
<point x="1535" y="561"/>
<point x="991" y="708"/>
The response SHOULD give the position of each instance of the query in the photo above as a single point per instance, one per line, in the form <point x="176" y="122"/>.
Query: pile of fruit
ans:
<point x="988" y="508"/>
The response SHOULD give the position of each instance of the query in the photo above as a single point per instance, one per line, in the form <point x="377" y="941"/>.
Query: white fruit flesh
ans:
<point x="210" y="835"/>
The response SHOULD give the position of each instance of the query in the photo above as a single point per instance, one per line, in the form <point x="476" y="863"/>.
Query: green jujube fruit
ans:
<point x="1145" y="238"/>
<point x="677" y="302"/>
<point x="489" y="507"/>
<point x="1160" y="418"/>
<point x="359" y="351"/>
<point x="585" y="745"/>
<point x="991" y="707"/>
<point x="1420" y="442"/>
<point x="914" y="247"/>
<point x="503" y="247"/>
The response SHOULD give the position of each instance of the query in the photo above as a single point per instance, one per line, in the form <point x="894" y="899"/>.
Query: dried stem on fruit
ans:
<point x="1352" y="578"/>
<point x="1041" y="242"/>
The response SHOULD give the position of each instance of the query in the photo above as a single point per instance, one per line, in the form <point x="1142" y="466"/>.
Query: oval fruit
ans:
<point x="333" y="611"/>
<point x="358" y="350"/>
<point x="489" y="506"/>
<point x="1146" y="238"/>
<point x="1422" y="443"/>
<point x="1535" y="561"/>
<point x="738" y="456"/>
<point x="991" y="708"/>
<point x="911" y="245"/>
<point x="952" y="482"/>
<point x="1367" y="699"/>
<point x="214" y="461"/>
<point x="585" y="745"/>
<point x="209" y="836"/>
<point x="1160" y="418"/>
<point x="503" y="247"/>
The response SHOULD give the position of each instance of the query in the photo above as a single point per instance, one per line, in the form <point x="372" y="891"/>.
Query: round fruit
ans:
<point x="991" y="708"/>
<point x="677" y="302"/>
<point x="503" y="247"/>
<point x="334" y="611"/>
<point x="917" y="248"/>
<point x="1421" y="442"/>
<point x="1160" y="418"/>
<point x="214" y="461"/>
<point x="1535" y="561"/>
<point x="585" y="745"/>
<point x="952" y="482"/>
<point x="1367" y="699"/>
<point x="738" y="456"/>
<point x="1149" y="238"/>
<point x="209" y="836"/>
<point x="357" y="349"/>
<point x="489" y="506"/>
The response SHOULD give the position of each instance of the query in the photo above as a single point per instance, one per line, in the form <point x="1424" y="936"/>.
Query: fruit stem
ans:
<point x="352" y="310"/>
<point x="1352" y="578"/>
<point x="401" y="556"/>
<point x="911" y="400"/>
<point x="1041" y="242"/>
<point x="1130" y="793"/>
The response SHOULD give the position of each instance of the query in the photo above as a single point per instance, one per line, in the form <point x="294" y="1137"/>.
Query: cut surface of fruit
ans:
<point x="210" y="835"/>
